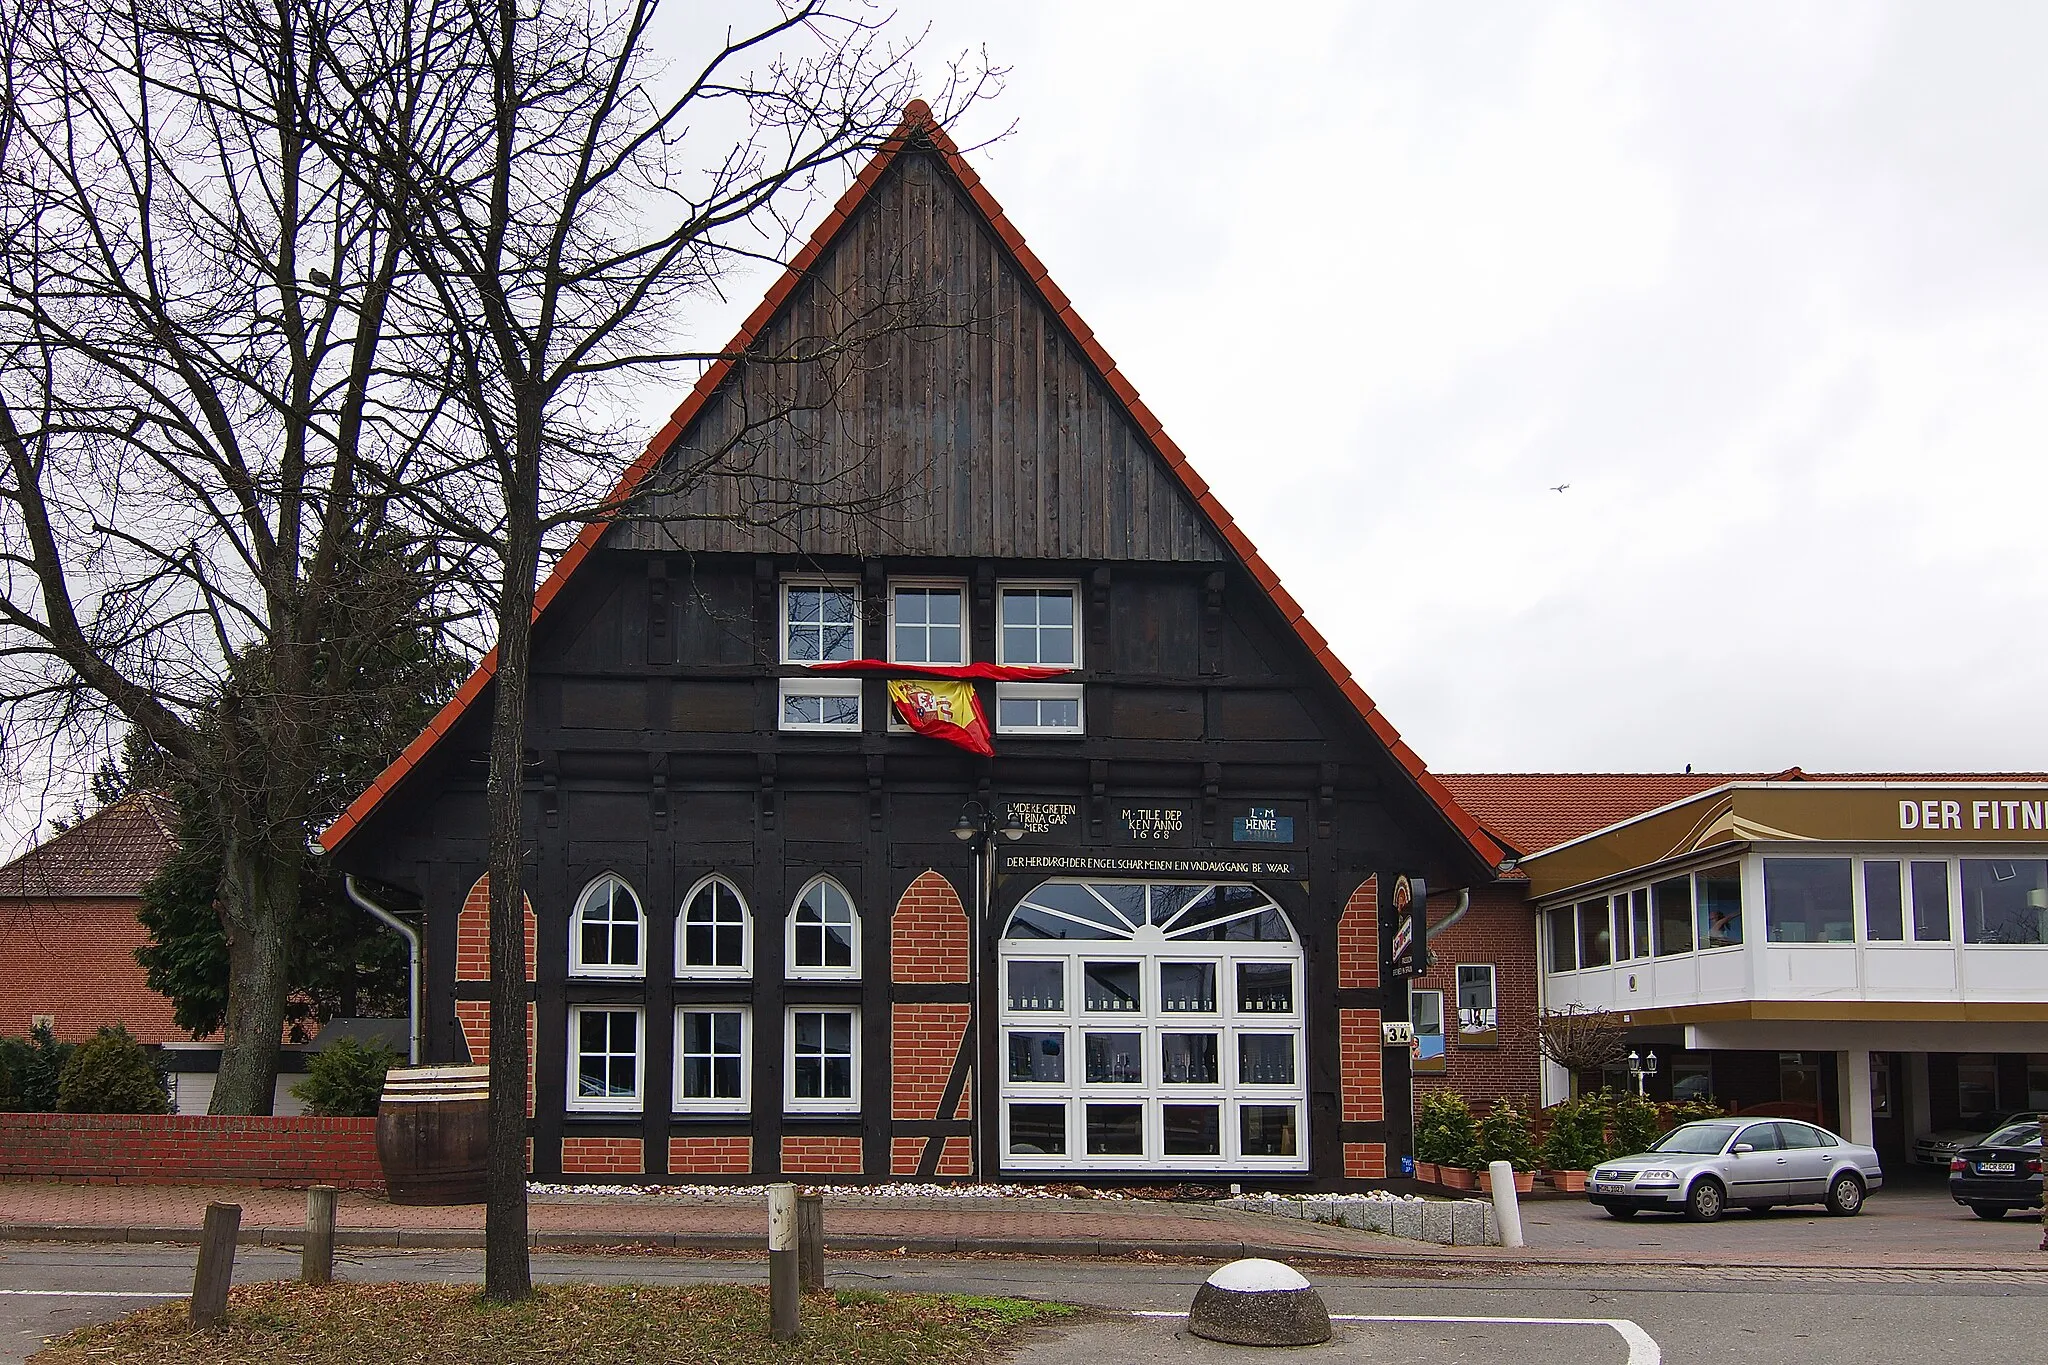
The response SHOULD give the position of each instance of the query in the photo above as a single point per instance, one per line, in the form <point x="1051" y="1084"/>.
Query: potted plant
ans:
<point x="1504" y="1136"/>
<point x="1446" y="1138"/>
<point x="1576" y="1142"/>
<point x="1430" y="1145"/>
<point x="1636" y="1125"/>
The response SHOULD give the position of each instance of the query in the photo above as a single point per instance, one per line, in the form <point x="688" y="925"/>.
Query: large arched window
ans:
<point x="824" y="932"/>
<point x="608" y="932"/>
<point x="1152" y="1026"/>
<point x="714" y="932"/>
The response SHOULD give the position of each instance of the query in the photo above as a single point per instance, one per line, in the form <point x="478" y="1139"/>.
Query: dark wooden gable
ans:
<point x="973" y="426"/>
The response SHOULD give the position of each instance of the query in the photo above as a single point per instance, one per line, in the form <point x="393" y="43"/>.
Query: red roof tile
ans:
<point x="111" y="852"/>
<point x="918" y="123"/>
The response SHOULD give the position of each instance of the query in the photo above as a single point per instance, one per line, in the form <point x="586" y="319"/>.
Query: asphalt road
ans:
<point x="1826" y="1318"/>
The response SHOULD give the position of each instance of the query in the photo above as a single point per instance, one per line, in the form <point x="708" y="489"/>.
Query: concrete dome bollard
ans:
<point x="1259" y="1303"/>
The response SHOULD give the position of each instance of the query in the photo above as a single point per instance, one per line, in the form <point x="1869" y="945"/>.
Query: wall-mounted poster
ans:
<point x="1426" y="1009"/>
<point x="1478" y="1025"/>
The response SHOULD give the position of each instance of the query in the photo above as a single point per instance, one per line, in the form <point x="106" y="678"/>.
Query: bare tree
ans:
<point x="200" y="430"/>
<point x="1580" y="1038"/>
<point x="561" y="201"/>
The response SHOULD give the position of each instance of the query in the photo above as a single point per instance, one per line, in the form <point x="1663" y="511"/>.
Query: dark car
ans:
<point x="2001" y="1173"/>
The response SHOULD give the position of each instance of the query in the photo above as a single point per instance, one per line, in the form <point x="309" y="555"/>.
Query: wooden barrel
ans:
<point x="433" y="1133"/>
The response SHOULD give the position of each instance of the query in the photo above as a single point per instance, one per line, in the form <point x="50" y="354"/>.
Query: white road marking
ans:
<point x="89" y="1294"/>
<point x="1642" y="1347"/>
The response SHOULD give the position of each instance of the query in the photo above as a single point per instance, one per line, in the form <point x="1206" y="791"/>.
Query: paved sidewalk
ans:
<point x="1898" y="1232"/>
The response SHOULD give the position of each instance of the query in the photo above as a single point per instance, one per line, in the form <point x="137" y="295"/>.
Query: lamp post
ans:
<point x="1640" y="1070"/>
<point x="978" y="828"/>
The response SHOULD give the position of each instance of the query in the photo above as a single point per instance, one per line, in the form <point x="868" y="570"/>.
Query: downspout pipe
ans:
<point x="412" y="942"/>
<point x="1464" y="904"/>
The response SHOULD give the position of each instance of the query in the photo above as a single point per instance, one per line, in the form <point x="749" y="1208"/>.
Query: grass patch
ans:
<point x="371" y="1324"/>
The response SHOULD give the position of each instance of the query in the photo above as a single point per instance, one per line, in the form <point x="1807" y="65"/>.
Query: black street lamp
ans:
<point x="978" y="828"/>
<point x="1641" y="1070"/>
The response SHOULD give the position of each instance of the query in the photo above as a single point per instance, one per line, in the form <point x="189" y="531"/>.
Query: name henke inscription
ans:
<point x="1153" y="824"/>
<point x="1262" y="825"/>
<point x="1044" y="817"/>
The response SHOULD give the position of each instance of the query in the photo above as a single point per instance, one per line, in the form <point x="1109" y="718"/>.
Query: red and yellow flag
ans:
<point x="944" y="710"/>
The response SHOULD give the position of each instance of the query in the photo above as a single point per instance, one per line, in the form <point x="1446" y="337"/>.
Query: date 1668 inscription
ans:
<point x="1153" y="824"/>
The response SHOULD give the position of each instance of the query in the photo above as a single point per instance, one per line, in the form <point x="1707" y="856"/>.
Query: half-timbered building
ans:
<point x="775" y="929"/>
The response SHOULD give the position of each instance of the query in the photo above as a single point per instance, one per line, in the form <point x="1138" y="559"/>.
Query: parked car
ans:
<point x="1939" y="1148"/>
<point x="2000" y="1174"/>
<point x="1702" y="1169"/>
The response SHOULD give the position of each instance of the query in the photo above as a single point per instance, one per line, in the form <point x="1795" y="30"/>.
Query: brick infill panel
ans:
<point x="190" y="1149"/>
<point x="923" y="1041"/>
<point x="473" y="935"/>
<point x="1365" y="1160"/>
<point x="1358" y="939"/>
<point x="928" y="934"/>
<point x="821" y="1156"/>
<point x="1358" y="1055"/>
<point x="710" y="1155"/>
<point x="602" y="1156"/>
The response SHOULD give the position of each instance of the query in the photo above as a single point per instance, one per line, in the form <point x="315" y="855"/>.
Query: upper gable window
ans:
<point x="607" y="931"/>
<point x="1039" y="625"/>
<point x="712" y="937"/>
<point x="927" y="623"/>
<point x="820" y="621"/>
<point x="824" y="932"/>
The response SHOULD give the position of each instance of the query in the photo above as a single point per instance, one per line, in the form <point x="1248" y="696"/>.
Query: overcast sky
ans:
<point x="1763" y="284"/>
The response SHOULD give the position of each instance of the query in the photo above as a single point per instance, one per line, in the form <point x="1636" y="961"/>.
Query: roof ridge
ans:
<point x="918" y="122"/>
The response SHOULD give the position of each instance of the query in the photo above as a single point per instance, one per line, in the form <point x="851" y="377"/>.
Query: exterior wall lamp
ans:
<point x="1641" y="1069"/>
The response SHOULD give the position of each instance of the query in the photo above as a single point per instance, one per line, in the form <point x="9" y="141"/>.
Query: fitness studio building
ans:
<point x="1877" y="950"/>
<point x="1015" y="825"/>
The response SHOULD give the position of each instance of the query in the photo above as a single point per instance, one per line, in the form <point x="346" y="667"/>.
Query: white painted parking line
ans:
<point x="88" y="1294"/>
<point x="1642" y="1347"/>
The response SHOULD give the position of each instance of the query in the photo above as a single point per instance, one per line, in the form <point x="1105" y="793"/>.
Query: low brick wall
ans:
<point x="190" y="1149"/>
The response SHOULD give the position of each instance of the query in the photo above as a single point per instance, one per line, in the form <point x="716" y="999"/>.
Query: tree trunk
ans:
<point x="507" y="1272"/>
<point x="260" y="898"/>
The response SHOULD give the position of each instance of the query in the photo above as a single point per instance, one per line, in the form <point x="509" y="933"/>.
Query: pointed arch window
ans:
<point x="714" y="932"/>
<point x="824" y="932"/>
<point x="608" y="933"/>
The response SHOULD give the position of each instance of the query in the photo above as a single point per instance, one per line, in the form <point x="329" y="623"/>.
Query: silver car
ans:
<point x="1701" y="1169"/>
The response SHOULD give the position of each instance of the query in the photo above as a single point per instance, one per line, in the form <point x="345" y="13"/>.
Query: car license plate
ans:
<point x="1608" y="1188"/>
<point x="1997" y="1167"/>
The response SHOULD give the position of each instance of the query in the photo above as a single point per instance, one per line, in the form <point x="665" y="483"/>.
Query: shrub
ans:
<point x="112" y="1074"/>
<point x="1577" y="1140"/>
<point x="33" y="1065"/>
<point x="1635" y="1125"/>
<point x="1504" y="1136"/>
<point x="1686" y="1111"/>
<point x="1444" y="1132"/>
<point x="345" y="1079"/>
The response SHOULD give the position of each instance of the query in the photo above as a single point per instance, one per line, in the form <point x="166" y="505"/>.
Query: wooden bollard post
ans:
<point x="216" y="1263"/>
<point x="810" y="1242"/>
<point x="783" y="1295"/>
<point x="316" y="1256"/>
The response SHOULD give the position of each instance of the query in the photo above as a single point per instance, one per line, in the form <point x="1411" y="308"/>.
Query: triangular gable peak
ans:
<point x="1078" y="425"/>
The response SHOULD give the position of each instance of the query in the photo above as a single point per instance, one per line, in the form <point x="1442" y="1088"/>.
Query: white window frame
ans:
<point x="581" y="1104"/>
<point x="683" y="1104"/>
<point x="609" y="970"/>
<point x="831" y="1105"/>
<point x="791" y="970"/>
<point x="958" y="585"/>
<point x="1492" y="994"/>
<point x="817" y="687"/>
<point x="1045" y="692"/>
<point x="1067" y="585"/>
<point x="685" y="972"/>
<point x="847" y="585"/>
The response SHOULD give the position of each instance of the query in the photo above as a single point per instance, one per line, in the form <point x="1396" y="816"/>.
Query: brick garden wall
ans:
<point x="194" y="1149"/>
<point x="1500" y="928"/>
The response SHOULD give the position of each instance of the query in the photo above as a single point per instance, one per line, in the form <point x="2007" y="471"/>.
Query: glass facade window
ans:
<point x="1265" y="987"/>
<point x="2005" y="900"/>
<point x="1187" y="987"/>
<point x="1114" y="1058"/>
<point x="1268" y="1058"/>
<point x="1038" y="1058"/>
<point x="1719" y="892"/>
<point x="1808" y="900"/>
<point x="1639" y="915"/>
<point x="1266" y="1129"/>
<point x="1564" y="939"/>
<point x="1189" y="1059"/>
<point x="1884" y="907"/>
<point x="1111" y="988"/>
<point x="1036" y="986"/>
<point x="1673" y="904"/>
<point x="1596" y="935"/>
<point x="1931" y="919"/>
<point x="1038" y="1129"/>
<point x="1624" y="940"/>
<point x="1038" y="626"/>
<point x="1191" y="1129"/>
<point x="1116" y="1129"/>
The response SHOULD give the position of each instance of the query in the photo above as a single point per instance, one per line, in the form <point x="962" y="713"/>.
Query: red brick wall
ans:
<point x="475" y="1018"/>
<point x="1500" y="928"/>
<point x="1358" y="939"/>
<point x="928" y="934"/>
<point x="1365" y="1160"/>
<point x="821" y="1156"/>
<point x="176" y="1149"/>
<point x="473" y="934"/>
<point x="1358" y="1054"/>
<point x="75" y="961"/>
<point x="956" y="1156"/>
<point x="710" y="1155"/>
<point x="923" y="1040"/>
<point x="602" y="1156"/>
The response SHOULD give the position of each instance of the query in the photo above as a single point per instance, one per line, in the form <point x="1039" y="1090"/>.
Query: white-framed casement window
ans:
<point x="1478" y="1024"/>
<point x="1036" y="708"/>
<point x="714" y="932"/>
<point x="824" y="932"/>
<point x="1038" y="623"/>
<point x="823" y="1071"/>
<point x="606" y="1059"/>
<point x="608" y="932"/>
<point x="711" y="1060"/>
<point x="820" y="620"/>
<point x="927" y="622"/>
<point x="824" y="705"/>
